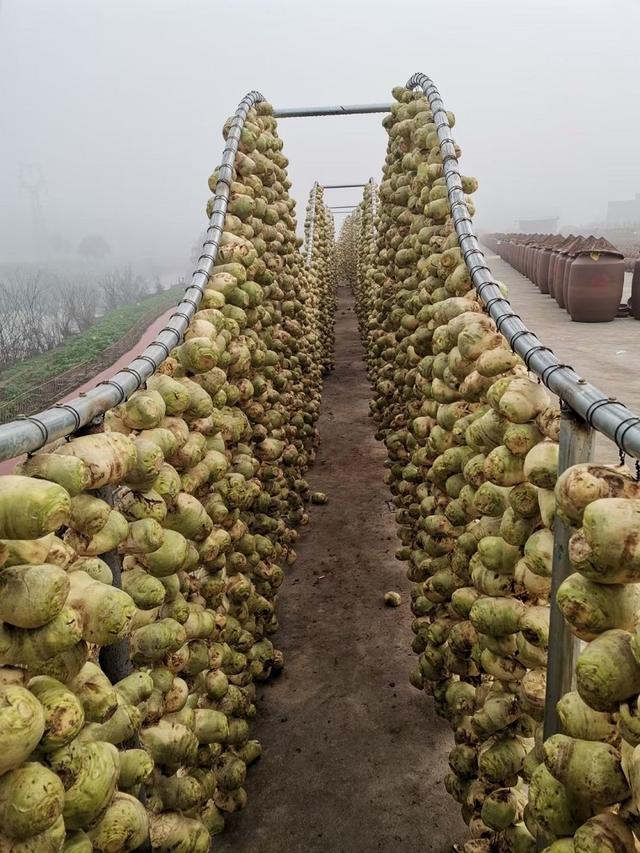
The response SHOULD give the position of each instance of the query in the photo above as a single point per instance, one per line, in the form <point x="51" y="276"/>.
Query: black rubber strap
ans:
<point x="497" y="299"/>
<point x="593" y="408"/>
<point x="133" y="372"/>
<point x="42" y="427"/>
<point x="506" y="317"/>
<point x="117" y="386"/>
<point x="474" y="269"/>
<point x="532" y="351"/>
<point x="550" y="370"/>
<point x="171" y="329"/>
<point x="149" y="361"/>
<point x="71" y="411"/>
<point x="162" y="346"/>
<point x="517" y="335"/>
<point x="626" y="424"/>
<point x="481" y="287"/>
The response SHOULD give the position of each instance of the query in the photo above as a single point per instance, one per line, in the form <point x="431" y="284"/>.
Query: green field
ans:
<point x="84" y="347"/>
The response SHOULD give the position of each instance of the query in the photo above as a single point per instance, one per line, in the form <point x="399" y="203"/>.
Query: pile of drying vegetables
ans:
<point x="140" y="563"/>
<point x="472" y="442"/>
<point x="323" y="260"/>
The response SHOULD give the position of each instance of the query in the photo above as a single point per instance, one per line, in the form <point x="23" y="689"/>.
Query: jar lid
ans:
<point x="597" y="246"/>
<point x="552" y="241"/>
<point x="555" y="241"/>
<point x="575" y="247"/>
<point x="564" y="246"/>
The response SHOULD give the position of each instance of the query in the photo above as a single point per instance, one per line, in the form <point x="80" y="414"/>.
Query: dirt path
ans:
<point x="354" y="757"/>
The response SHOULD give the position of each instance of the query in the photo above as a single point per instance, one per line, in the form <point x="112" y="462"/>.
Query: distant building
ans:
<point x="538" y="226"/>
<point x="623" y="213"/>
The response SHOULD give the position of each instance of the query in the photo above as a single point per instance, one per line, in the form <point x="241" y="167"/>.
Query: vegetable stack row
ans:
<point x="141" y="562"/>
<point x="347" y="249"/>
<point x="472" y="442"/>
<point x="319" y="236"/>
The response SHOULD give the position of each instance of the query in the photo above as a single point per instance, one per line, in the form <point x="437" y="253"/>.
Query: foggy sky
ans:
<point x="121" y="103"/>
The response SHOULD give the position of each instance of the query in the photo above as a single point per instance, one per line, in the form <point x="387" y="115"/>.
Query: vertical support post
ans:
<point x="312" y="224"/>
<point x="576" y="445"/>
<point x="372" y="185"/>
<point x="114" y="659"/>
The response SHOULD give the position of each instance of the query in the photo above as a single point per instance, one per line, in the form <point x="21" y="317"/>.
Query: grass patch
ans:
<point x="84" y="347"/>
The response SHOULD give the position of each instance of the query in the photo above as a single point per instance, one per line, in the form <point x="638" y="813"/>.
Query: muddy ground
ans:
<point x="354" y="757"/>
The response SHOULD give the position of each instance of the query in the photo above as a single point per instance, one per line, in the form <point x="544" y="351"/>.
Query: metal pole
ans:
<point x="604" y="413"/>
<point x="340" y="186"/>
<point x="354" y="109"/>
<point x="577" y="441"/>
<point x="576" y="445"/>
<point x="312" y="223"/>
<point x="28" y="434"/>
<point x="374" y="190"/>
<point x="114" y="659"/>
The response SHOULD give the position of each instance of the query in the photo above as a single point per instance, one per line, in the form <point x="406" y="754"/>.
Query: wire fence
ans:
<point x="52" y="390"/>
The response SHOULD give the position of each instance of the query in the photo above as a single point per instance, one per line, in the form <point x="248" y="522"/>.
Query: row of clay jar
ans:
<point x="585" y="275"/>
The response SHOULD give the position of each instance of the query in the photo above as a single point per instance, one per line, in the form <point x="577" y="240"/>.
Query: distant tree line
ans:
<point x="40" y="309"/>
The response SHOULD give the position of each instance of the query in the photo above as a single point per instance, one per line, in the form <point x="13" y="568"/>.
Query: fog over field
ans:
<point x="112" y="109"/>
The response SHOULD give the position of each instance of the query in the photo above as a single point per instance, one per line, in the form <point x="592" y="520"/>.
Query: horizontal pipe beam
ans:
<point x="353" y="109"/>
<point x="598" y="410"/>
<point x="341" y="186"/>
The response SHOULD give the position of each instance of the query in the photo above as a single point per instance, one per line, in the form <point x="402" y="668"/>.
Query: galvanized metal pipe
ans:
<point x="374" y="211"/>
<point x="576" y="445"/>
<point x="29" y="434"/>
<point x="353" y="109"/>
<point x="341" y="186"/>
<point x="312" y="224"/>
<point x="604" y="413"/>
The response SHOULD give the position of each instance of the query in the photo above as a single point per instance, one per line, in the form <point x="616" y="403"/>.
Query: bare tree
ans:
<point x="110" y="290"/>
<point x="9" y="323"/>
<point x="60" y="310"/>
<point x="27" y="323"/>
<point x="79" y="302"/>
<point x="120" y="287"/>
<point x="38" y="310"/>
